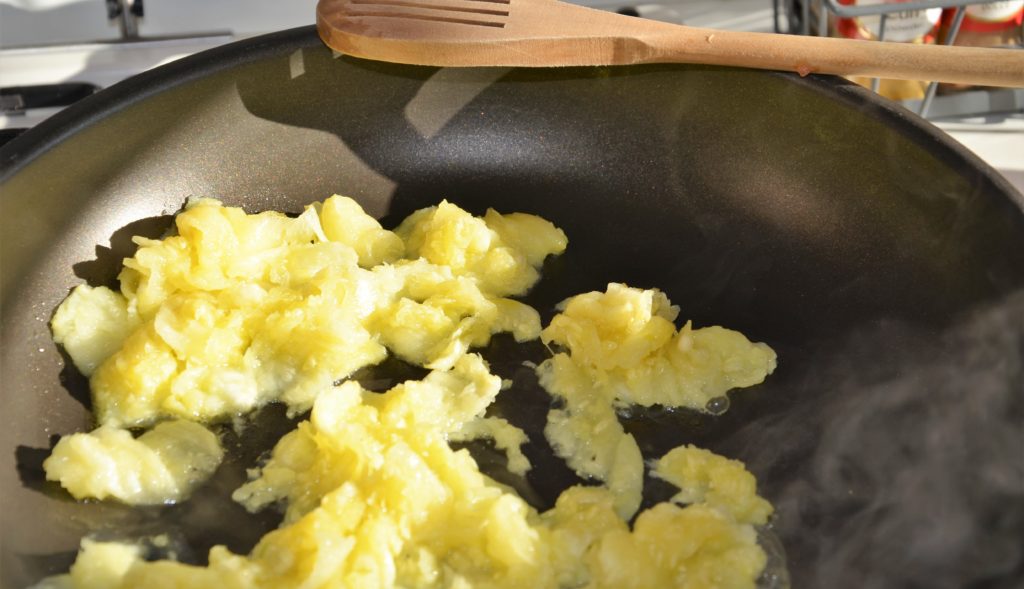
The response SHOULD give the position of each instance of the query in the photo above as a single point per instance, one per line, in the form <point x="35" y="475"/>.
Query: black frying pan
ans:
<point x="882" y="261"/>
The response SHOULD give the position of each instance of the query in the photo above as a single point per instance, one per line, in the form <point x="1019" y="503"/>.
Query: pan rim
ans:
<point x="34" y="143"/>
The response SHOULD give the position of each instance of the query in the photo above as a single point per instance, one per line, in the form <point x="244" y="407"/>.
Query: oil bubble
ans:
<point x="776" y="573"/>
<point x="717" y="405"/>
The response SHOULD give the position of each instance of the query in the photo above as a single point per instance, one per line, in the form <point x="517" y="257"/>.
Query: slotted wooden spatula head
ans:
<point x="476" y="32"/>
<point x="549" y="33"/>
<point x="475" y="13"/>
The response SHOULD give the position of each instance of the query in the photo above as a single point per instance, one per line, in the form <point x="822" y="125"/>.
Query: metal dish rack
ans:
<point x="812" y="17"/>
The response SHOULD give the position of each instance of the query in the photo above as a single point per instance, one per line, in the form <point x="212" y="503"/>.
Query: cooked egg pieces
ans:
<point x="622" y="348"/>
<point x="163" y="465"/>
<point x="236" y="310"/>
<point x="375" y="497"/>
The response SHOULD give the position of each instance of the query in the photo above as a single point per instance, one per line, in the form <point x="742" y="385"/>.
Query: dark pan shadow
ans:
<point x="30" y="469"/>
<point x="42" y="565"/>
<point x="103" y="270"/>
<point x="381" y="145"/>
<point x="73" y="381"/>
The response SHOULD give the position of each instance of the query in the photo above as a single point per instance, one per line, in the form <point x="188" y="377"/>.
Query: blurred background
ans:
<point x="54" y="52"/>
<point x="39" y="22"/>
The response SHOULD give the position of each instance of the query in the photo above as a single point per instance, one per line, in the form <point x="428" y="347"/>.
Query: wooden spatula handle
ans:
<point x="847" y="57"/>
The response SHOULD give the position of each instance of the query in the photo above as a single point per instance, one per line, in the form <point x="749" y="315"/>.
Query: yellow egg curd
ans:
<point x="622" y="348"/>
<point x="162" y="465"/>
<point x="237" y="310"/>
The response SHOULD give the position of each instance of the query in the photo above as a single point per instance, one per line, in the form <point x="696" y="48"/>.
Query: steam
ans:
<point x="910" y="464"/>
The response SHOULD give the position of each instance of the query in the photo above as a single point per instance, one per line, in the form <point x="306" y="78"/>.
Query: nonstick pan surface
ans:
<point x="881" y="260"/>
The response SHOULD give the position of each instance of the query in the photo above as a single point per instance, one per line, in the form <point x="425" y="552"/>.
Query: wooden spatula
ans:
<point x="545" y="33"/>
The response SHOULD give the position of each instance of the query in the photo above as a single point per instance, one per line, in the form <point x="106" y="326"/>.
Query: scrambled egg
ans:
<point x="623" y="349"/>
<point x="163" y="465"/>
<point x="623" y="340"/>
<point x="377" y="498"/>
<point x="236" y="310"/>
<point x="705" y="477"/>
